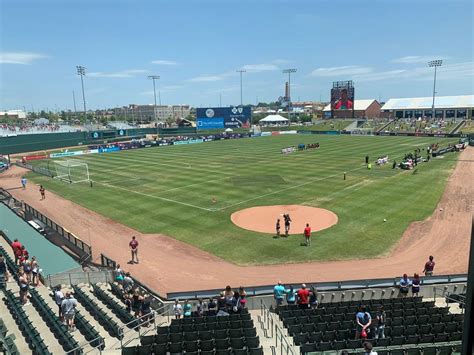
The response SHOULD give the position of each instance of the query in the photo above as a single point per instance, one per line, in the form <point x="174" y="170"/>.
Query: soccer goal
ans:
<point x="71" y="171"/>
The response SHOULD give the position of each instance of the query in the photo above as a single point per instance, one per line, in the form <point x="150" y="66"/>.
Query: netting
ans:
<point x="71" y="171"/>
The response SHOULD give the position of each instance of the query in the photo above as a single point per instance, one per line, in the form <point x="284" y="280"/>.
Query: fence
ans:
<point x="325" y="286"/>
<point x="74" y="278"/>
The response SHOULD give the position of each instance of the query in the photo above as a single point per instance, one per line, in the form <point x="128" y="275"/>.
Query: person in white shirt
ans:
<point x="368" y="349"/>
<point x="58" y="298"/>
<point x="177" y="309"/>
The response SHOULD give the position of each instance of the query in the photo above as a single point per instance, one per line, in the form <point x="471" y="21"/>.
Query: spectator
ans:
<point x="211" y="307"/>
<point x="222" y="308"/>
<point x="26" y="265"/>
<point x="404" y="285"/>
<point x="146" y="311"/>
<point x="128" y="302"/>
<point x="363" y="321"/>
<point x="58" y="298"/>
<point x="279" y="293"/>
<point x="429" y="266"/>
<point x="3" y="268"/>
<point x="34" y="271"/>
<point x="243" y="297"/>
<point x="68" y="307"/>
<point x="200" y="308"/>
<point x="187" y="309"/>
<point x="23" y="282"/>
<point x="24" y="254"/>
<point x="127" y="283"/>
<point x="16" y="246"/>
<point x="313" y="297"/>
<point x="228" y="293"/>
<point x="136" y="303"/>
<point x="118" y="274"/>
<point x="303" y="297"/>
<point x="381" y="318"/>
<point x="290" y="295"/>
<point x="134" y="250"/>
<point x="415" y="285"/>
<point x="23" y="182"/>
<point x="177" y="309"/>
<point x="368" y="348"/>
<point x="236" y="306"/>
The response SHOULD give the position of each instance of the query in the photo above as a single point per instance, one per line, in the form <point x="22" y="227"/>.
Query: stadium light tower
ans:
<point x="434" y="63"/>
<point x="241" y="71"/>
<point x="154" y="77"/>
<point x="289" y="71"/>
<point x="81" y="71"/>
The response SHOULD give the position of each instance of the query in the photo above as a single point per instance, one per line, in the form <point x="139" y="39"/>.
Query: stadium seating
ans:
<point x="234" y="334"/>
<point x="410" y="321"/>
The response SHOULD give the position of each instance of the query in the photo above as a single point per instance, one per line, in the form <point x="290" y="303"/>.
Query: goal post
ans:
<point x="71" y="171"/>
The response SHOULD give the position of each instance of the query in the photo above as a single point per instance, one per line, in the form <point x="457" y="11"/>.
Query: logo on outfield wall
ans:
<point x="121" y="132"/>
<point x="236" y="110"/>
<point x="95" y="135"/>
<point x="210" y="112"/>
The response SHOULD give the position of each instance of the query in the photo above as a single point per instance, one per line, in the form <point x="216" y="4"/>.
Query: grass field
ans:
<point x="169" y="190"/>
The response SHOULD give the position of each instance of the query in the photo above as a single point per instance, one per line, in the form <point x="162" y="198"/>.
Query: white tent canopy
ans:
<point x="273" y="119"/>
<point x="229" y="130"/>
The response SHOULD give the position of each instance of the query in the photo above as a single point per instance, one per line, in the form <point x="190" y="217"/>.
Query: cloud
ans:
<point x="411" y="59"/>
<point x="24" y="58"/>
<point x="131" y="73"/>
<point x="339" y="71"/>
<point x="255" y="68"/>
<point x="164" y="62"/>
<point x="207" y="78"/>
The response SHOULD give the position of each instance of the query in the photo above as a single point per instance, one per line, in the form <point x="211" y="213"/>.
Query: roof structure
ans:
<point x="359" y="105"/>
<point x="425" y="103"/>
<point x="274" y="118"/>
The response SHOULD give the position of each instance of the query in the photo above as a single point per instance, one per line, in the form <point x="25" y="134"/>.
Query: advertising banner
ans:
<point x="210" y="123"/>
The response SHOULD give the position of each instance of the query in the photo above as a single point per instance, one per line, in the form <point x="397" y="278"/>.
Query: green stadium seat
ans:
<point x="250" y="332"/>
<point x="383" y="342"/>
<point x="191" y="336"/>
<point x="430" y="350"/>
<point x="308" y="348"/>
<point x="176" y="337"/>
<point x="237" y="343"/>
<point x="191" y="346"/>
<point x="325" y="346"/>
<point x="315" y="337"/>
<point x="175" y="348"/>
<point x="253" y="342"/>
<point x="445" y="350"/>
<point x="397" y="340"/>
<point x="222" y="344"/>
<point x="301" y="338"/>
<point x="206" y="345"/>
<point x="160" y="349"/>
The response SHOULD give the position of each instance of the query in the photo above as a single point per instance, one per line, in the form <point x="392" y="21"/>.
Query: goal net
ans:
<point x="71" y="171"/>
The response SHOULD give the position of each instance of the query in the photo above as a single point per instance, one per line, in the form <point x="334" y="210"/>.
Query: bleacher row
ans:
<point x="410" y="322"/>
<point x="207" y="335"/>
<point x="99" y="306"/>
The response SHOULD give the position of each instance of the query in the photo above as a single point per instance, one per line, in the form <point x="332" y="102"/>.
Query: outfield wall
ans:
<point x="36" y="142"/>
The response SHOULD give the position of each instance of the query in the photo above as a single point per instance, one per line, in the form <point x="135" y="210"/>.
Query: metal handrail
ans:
<point x="279" y="335"/>
<point x="81" y="347"/>
<point x="447" y="296"/>
<point x="126" y="325"/>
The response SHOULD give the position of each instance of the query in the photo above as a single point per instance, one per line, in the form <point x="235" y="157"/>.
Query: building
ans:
<point x="145" y="113"/>
<point x="446" y="107"/>
<point x="13" y="114"/>
<point x="362" y="109"/>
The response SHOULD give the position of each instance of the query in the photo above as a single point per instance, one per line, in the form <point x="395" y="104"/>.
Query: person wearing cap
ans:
<point x="404" y="285"/>
<point x="303" y="297"/>
<point x="279" y="293"/>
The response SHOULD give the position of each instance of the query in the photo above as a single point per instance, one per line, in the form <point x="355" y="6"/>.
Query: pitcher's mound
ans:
<point x="263" y="218"/>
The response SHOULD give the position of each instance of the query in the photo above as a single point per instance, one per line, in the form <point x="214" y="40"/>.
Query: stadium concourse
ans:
<point x="167" y="265"/>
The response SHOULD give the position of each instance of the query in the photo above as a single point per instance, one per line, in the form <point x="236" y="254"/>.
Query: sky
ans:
<point x="197" y="46"/>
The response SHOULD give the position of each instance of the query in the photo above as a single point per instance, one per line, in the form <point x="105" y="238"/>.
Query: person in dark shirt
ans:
<point x="277" y="227"/>
<point x="429" y="266"/>
<point x="380" y="317"/>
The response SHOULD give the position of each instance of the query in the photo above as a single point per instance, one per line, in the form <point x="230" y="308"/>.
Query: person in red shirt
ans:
<point x="429" y="266"/>
<point x="134" y="250"/>
<point x="16" y="246"/>
<point x="303" y="297"/>
<point x="343" y="103"/>
<point x="24" y="254"/>
<point x="307" y="235"/>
